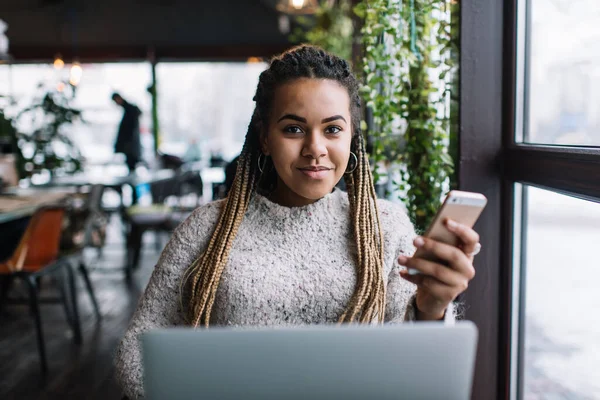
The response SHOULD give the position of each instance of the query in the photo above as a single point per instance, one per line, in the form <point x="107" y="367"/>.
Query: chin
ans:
<point x="314" y="192"/>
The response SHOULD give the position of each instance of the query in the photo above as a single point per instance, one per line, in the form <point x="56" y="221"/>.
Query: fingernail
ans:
<point x="452" y="224"/>
<point x="419" y="242"/>
<point x="402" y="260"/>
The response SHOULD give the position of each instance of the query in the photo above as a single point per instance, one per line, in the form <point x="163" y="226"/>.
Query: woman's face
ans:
<point x="308" y="139"/>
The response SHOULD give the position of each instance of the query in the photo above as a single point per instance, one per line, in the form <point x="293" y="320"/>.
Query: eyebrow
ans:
<point x="293" y="117"/>
<point x="335" y="117"/>
<point x="303" y="120"/>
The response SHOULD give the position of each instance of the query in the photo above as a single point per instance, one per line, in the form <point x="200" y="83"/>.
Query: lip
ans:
<point x="315" y="172"/>
<point x="315" y="168"/>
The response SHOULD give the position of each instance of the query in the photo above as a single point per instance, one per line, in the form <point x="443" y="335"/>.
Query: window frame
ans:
<point x="492" y="107"/>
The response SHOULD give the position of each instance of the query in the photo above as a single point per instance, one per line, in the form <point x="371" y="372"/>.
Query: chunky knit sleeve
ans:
<point x="160" y="305"/>
<point x="399" y="234"/>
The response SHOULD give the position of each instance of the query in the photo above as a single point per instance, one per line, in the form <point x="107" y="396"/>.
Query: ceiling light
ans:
<point x="297" y="7"/>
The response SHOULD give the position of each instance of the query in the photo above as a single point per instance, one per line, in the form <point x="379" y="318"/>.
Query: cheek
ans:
<point x="341" y="153"/>
<point x="284" y="154"/>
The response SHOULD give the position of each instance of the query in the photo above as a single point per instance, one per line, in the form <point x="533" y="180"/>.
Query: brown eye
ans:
<point x="333" y="130"/>
<point x="292" y="129"/>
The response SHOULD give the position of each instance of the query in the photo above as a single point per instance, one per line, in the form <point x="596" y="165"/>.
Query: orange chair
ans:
<point x="37" y="255"/>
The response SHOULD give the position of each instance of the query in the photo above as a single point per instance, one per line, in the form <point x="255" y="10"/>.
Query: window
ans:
<point x="505" y="149"/>
<point x="564" y="72"/>
<point x="552" y="163"/>
<point x="96" y="136"/>
<point x="209" y="104"/>
<point x="560" y="326"/>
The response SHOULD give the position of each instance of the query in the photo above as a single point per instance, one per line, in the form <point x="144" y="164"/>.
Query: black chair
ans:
<point x="162" y="216"/>
<point x="85" y="228"/>
<point x="191" y="184"/>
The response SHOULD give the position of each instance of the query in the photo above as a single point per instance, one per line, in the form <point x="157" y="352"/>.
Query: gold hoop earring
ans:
<point x="263" y="164"/>
<point x="355" y="164"/>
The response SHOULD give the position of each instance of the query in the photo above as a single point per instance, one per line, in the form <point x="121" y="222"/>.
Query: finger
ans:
<point x="440" y="272"/>
<point x="455" y="258"/>
<point x="467" y="236"/>
<point x="441" y="292"/>
<point x="416" y="279"/>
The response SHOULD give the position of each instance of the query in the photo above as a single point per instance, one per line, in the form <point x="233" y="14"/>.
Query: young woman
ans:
<point x="287" y="248"/>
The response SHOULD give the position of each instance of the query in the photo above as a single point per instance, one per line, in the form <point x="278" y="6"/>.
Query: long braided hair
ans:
<point x="201" y="280"/>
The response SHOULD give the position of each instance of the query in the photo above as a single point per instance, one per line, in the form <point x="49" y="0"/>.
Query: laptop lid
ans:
<point x="408" y="361"/>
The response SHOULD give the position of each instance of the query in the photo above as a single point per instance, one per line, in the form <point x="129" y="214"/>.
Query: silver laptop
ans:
<point x="409" y="361"/>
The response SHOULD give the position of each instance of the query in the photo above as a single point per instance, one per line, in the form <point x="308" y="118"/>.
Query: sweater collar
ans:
<point x="324" y="204"/>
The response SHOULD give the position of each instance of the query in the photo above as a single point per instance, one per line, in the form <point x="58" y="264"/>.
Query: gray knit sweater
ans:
<point x="287" y="266"/>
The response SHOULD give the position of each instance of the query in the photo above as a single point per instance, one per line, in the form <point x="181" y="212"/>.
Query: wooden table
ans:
<point x="16" y="208"/>
<point x="21" y="203"/>
<point x="108" y="180"/>
<point x="114" y="182"/>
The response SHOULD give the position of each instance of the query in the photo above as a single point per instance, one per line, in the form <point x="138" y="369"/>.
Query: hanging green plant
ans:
<point x="428" y="164"/>
<point x="407" y="68"/>
<point x="331" y="28"/>
<point x="451" y="36"/>
<point x="382" y="68"/>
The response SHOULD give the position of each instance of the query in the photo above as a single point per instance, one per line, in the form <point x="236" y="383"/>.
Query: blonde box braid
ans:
<point x="201" y="280"/>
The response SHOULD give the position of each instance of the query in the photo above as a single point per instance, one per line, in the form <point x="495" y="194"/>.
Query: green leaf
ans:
<point x="447" y="159"/>
<point x="360" y="9"/>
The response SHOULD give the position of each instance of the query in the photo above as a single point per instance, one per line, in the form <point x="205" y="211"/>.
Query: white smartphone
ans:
<point x="459" y="206"/>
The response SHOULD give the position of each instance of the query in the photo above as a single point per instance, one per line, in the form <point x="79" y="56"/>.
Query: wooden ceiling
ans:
<point x="115" y="30"/>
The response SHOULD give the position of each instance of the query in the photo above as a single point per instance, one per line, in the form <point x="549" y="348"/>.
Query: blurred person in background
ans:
<point x="128" y="136"/>
<point x="193" y="152"/>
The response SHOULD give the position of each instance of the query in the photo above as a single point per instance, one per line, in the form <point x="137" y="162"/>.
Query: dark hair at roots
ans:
<point x="201" y="280"/>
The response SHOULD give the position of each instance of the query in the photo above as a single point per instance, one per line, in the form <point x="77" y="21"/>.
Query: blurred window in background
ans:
<point x="205" y="107"/>
<point x="97" y="135"/>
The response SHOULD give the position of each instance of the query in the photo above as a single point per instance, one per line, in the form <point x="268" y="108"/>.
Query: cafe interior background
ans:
<point x="515" y="95"/>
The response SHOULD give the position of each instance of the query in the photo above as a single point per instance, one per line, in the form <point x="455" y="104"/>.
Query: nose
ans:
<point x="314" y="146"/>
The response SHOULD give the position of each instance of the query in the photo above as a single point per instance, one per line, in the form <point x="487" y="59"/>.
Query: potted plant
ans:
<point x="9" y="149"/>
<point x="47" y="147"/>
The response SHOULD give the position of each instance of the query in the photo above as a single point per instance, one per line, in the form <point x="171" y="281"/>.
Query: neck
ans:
<point x="284" y="196"/>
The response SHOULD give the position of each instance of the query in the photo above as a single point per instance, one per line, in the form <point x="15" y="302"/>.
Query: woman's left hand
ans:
<point x="437" y="284"/>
